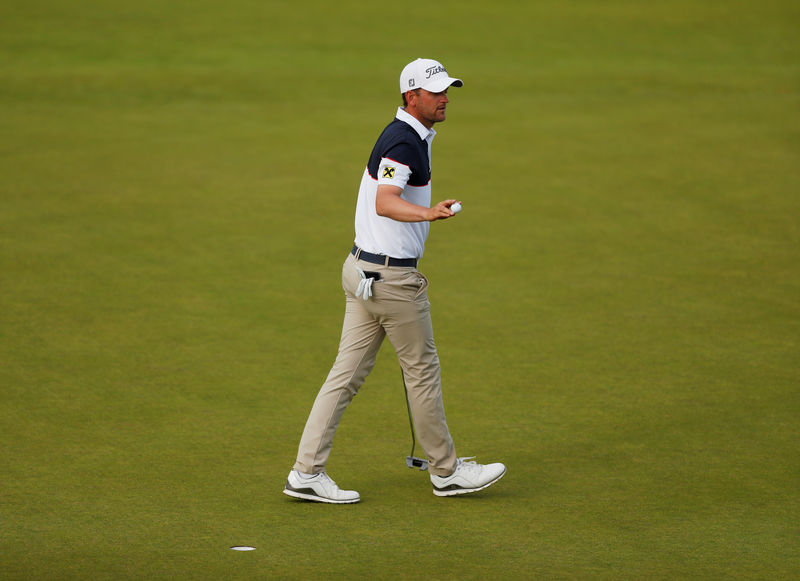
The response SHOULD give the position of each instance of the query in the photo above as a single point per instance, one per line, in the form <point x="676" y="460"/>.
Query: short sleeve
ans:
<point x="392" y="172"/>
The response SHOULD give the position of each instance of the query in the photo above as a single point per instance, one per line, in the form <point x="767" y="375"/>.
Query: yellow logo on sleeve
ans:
<point x="388" y="172"/>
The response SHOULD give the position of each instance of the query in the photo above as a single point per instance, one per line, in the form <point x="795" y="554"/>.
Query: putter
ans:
<point x="411" y="460"/>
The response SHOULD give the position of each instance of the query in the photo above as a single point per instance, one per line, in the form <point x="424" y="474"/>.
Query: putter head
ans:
<point x="414" y="462"/>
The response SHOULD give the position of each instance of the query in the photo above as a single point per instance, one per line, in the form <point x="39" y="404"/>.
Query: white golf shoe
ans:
<point x="467" y="477"/>
<point x="319" y="488"/>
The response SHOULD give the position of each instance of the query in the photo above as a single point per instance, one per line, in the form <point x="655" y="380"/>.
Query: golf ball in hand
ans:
<point x="456" y="207"/>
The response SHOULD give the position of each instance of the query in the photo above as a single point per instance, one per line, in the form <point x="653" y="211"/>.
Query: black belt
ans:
<point x="382" y="259"/>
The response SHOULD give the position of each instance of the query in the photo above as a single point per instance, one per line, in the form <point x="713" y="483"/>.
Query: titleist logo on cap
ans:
<point x="434" y="70"/>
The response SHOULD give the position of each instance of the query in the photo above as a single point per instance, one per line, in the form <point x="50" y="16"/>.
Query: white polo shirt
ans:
<point x="401" y="157"/>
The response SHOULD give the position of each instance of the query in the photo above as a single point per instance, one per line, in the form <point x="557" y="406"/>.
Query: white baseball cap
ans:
<point x="426" y="74"/>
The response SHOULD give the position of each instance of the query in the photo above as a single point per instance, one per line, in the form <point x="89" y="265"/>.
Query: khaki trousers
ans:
<point x="399" y="309"/>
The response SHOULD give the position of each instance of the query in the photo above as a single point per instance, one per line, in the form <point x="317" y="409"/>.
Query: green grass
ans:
<point x="616" y="308"/>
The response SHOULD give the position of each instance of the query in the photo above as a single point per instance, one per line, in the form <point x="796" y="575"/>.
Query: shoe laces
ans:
<point x="466" y="463"/>
<point x="328" y="480"/>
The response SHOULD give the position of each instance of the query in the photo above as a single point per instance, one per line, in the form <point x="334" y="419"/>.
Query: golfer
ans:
<point x="386" y="296"/>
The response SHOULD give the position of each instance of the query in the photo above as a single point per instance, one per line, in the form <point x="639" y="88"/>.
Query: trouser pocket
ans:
<point x="350" y="277"/>
<point x="422" y="283"/>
